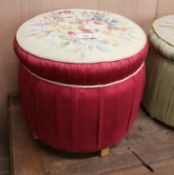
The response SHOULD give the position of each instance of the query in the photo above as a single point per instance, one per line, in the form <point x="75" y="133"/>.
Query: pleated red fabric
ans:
<point x="79" y="119"/>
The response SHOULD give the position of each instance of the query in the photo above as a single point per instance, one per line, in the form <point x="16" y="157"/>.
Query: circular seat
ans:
<point x="81" y="77"/>
<point x="158" y="98"/>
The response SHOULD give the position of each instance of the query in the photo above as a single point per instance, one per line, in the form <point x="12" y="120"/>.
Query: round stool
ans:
<point x="159" y="92"/>
<point x="81" y="77"/>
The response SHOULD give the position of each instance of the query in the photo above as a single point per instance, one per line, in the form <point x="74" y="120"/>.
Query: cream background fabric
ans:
<point x="81" y="36"/>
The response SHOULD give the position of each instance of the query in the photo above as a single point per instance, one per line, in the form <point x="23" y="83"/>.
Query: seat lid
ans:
<point x="81" y="36"/>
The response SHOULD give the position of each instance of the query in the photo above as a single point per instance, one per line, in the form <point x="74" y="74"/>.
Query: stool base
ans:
<point x="34" y="136"/>
<point x="104" y="152"/>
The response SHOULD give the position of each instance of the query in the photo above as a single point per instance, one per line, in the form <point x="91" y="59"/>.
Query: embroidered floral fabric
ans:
<point x="81" y="36"/>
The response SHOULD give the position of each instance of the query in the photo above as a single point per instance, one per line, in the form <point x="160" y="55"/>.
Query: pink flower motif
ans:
<point x="97" y="22"/>
<point x="86" y="30"/>
<point x="71" y="34"/>
<point x="110" y="27"/>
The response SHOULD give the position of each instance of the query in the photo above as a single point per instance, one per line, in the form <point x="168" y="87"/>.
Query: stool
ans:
<point x="81" y="77"/>
<point x="159" y="92"/>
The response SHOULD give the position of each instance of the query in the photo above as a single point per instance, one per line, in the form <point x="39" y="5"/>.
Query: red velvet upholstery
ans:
<point x="79" y="119"/>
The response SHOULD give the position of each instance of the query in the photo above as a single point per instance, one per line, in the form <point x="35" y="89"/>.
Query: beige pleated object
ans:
<point x="158" y="99"/>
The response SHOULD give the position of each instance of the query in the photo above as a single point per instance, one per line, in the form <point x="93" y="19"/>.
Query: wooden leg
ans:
<point x="105" y="152"/>
<point x="34" y="136"/>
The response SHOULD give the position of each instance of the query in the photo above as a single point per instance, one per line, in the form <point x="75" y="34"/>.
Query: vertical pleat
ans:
<point x="74" y="118"/>
<point x="115" y="107"/>
<point x="87" y="119"/>
<point x="23" y="86"/>
<point x="130" y="118"/>
<point x="165" y="89"/>
<point x="28" y="94"/>
<point x="158" y="83"/>
<point x="66" y="114"/>
<point x="100" y="119"/>
<point x="58" y="118"/>
<point x="152" y="80"/>
<point x="170" y="111"/>
<point x="138" y="88"/>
